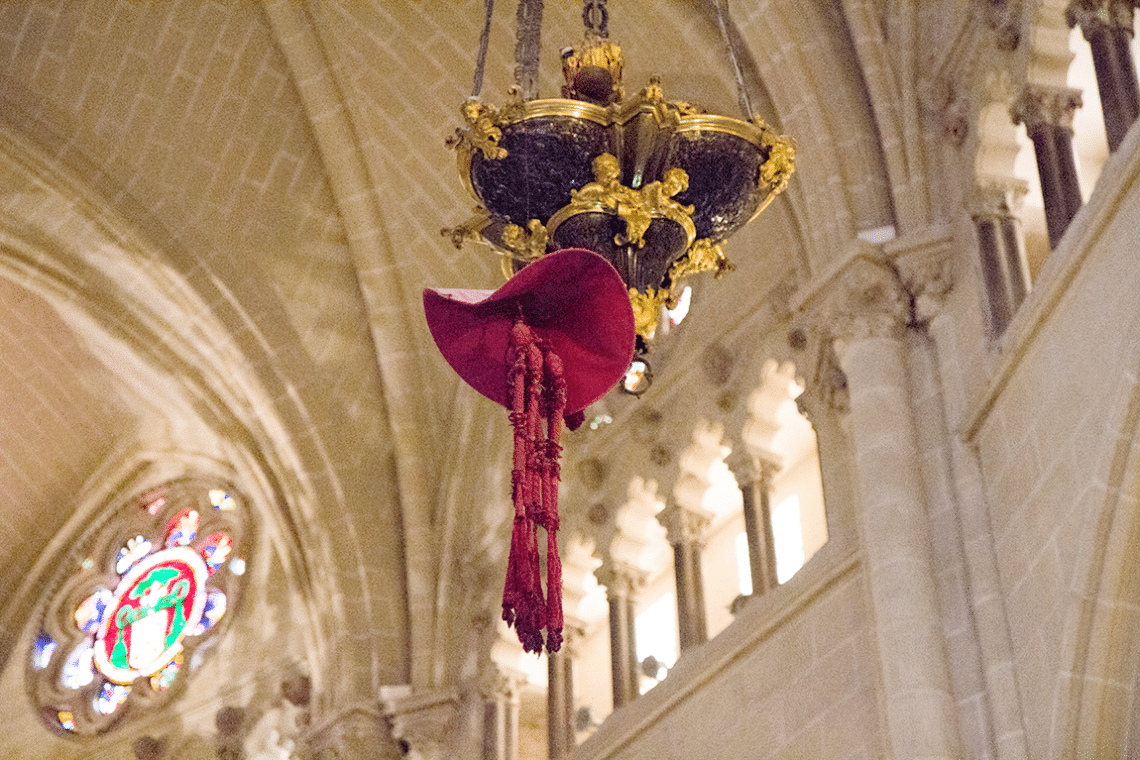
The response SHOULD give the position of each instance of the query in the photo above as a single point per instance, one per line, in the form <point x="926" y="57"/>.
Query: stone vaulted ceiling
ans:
<point x="216" y="219"/>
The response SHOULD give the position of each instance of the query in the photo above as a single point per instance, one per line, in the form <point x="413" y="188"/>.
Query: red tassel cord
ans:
<point x="538" y="393"/>
<point x="523" y="603"/>
<point x="555" y="387"/>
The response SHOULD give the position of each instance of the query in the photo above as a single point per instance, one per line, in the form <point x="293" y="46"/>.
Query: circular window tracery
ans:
<point x="159" y="583"/>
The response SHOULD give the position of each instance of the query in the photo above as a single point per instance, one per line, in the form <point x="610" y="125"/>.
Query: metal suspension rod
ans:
<point x="730" y="43"/>
<point x="481" y="60"/>
<point x="528" y="36"/>
<point x="596" y="18"/>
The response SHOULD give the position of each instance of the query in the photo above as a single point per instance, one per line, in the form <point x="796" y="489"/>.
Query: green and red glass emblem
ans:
<point x="160" y="600"/>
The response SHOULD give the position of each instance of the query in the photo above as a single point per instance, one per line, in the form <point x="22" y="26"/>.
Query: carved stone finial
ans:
<point x="1041" y="105"/>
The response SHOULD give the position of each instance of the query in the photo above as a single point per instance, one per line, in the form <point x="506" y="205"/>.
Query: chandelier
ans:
<point x="653" y="185"/>
<point x="601" y="207"/>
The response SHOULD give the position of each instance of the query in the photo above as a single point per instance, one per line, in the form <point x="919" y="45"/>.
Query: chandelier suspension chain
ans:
<point x="596" y="18"/>
<point x="528" y="44"/>
<point x="733" y="56"/>
<point x="481" y="60"/>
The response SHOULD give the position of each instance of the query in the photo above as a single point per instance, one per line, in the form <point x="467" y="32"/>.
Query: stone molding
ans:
<point x="1045" y="106"/>
<point x="1094" y="15"/>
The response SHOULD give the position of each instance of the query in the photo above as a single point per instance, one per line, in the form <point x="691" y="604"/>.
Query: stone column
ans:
<point x="685" y="528"/>
<point x="928" y="277"/>
<point x="1107" y="25"/>
<point x="867" y="312"/>
<point x="560" y="698"/>
<point x="578" y="563"/>
<point x="494" y="721"/>
<point x="1001" y="248"/>
<point x="500" y="692"/>
<point x="1047" y="113"/>
<point x="621" y="582"/>
<point x="754" y="476"/>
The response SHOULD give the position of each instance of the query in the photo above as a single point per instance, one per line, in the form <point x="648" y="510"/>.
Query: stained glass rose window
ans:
<point x="159" y="583"/>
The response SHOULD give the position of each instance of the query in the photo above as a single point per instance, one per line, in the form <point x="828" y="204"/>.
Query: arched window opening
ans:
<point x="656" y="635"/>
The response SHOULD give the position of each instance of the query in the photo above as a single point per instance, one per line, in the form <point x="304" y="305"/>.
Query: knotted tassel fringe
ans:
<point x="538" y="392"/>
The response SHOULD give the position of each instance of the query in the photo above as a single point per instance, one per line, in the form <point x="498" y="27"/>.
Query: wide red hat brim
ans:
<point x="573" y="299"/>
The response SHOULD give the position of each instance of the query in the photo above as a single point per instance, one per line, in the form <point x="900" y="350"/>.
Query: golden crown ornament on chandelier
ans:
<point x="652" y="186"/>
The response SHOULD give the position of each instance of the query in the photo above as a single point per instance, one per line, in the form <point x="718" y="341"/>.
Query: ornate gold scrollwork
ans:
<point x="780" y="164"/>
<point x="637" y="208"/>
<point x="703" y="256"/>
<point x="647" y="309"/>
<point x="469" y="230"/>
<point x="593" y="53"/>
<point x="481" y="133"/>
<point x="528" y="244"/>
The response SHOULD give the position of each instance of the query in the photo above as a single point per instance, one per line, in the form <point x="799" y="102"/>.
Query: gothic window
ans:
<point x="154" y="588"/>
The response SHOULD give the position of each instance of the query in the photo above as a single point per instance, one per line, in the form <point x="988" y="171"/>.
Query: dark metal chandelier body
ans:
<point x="655" y="186"/>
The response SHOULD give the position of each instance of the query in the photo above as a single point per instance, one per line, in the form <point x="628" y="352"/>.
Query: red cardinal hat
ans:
<point x="573" y="299"/>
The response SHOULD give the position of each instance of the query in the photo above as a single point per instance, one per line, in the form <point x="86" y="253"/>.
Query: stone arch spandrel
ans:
<point x="806" y="58"/>
<point x="157" y="308"/>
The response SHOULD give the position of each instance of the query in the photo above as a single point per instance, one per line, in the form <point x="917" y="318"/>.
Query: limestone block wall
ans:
<point x="795" y="675"/>
<point x="1055" y="436"/>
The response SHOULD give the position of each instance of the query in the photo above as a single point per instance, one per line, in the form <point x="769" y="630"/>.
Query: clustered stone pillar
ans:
<point x="621" y="584"/>
<point x="867" y="314"/>
<point x="754" y="476"/>
<point x="928" y="276"/>
<point x="1107" y="25"/>
<point x="1047" y="113"/>
<point x="685" y="527"/>
<point x="1001" y="247"/>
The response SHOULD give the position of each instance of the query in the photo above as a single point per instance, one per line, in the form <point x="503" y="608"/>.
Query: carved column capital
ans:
<point x="1045" y="106"/>
<point x="421" y="719"/>
<point x="684" y="525"/>
<point x="996" y="196"/>
<point x="499" y="683"/>
<point x="865" y="300"/>
<point x="750" y="469"/>
<point x="621" y="580"/>
<point x="1095" y="15"/>
<point x="925" y="264"/>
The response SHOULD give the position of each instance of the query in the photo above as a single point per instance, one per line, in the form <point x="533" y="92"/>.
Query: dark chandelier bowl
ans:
<point x="551" y="144"/>
<point x="654" y="186"/>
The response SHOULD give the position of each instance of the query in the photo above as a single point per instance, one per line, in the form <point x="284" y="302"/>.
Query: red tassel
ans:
<point x="523" y="603"/>
<point x="538" y="394"/>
